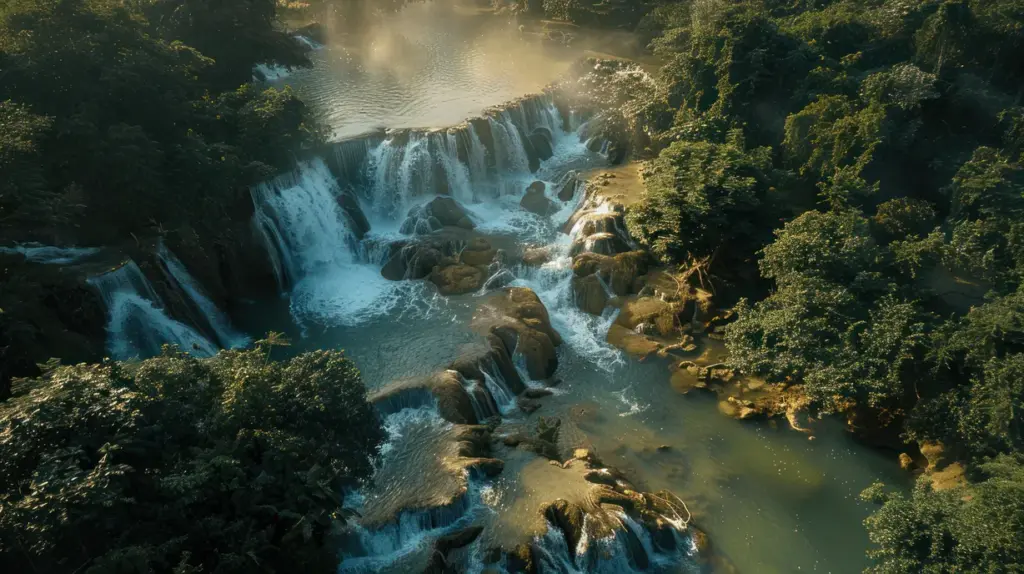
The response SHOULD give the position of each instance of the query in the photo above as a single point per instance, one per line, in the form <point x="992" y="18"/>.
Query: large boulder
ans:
<point x="492" y="357"/>
<point x="523" y="304"/>
<point x="457" y="279"/>
<point x="350" y="205"/>
<point x="440" y="212"/>
<point x="536" y="256"/>
<point x="619" y="272"/>
<point x="411" y="260"/>
<point x="541" y="140"/>
<point x="651" y="315"/>
<point x="590" y="294"/>
<point x="536" y="348"/>
<point x="478" y="252"/>
<point x="602" y="243"/>
<point x="535" y="201"/>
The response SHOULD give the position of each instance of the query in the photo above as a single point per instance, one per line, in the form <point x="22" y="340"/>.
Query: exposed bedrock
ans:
<point x="518" y="318"/>
<point x="432" y="216"/>
<point x="445" y="389"/>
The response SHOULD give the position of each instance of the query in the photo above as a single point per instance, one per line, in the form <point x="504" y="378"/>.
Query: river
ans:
<point x="770" y="499"/>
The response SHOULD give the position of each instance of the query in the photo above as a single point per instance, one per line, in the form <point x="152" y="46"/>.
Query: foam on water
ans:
<point x="312" y="238"/>
<point x="269" y="72"/>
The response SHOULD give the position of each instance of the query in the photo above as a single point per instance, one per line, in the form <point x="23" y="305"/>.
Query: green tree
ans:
<point x="175" y="464"/>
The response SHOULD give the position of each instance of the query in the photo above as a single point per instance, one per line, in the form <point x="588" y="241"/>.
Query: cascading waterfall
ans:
<point x="216" y="320"/>
<point x="509" y="151"/>
<point x="318" y="250"/>
<point x="49" y="254"/>
<point x="137" y="325"/>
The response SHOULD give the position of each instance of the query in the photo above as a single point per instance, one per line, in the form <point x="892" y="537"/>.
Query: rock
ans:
<point x="567" y="517"/>
<point x="619" y="272"/>
<point x="523" y="304"/>
<point x="490" y="467"/>
<point x="536" y="256"/>
<point x="521" y="560"/>
<point x="458" y="539"/>
<point x="537" y="392"/>
<point x="602" y="243"/>
<point x="411" y="261"/>
<point x="542" y="143"/>
<point x="590" y="294"/>
<point x="632" y="342"/>
<point x="453" y="402"/>
<point x="567" y="186"/>
<point x="535" y="201"/>
<point x="527" y="405"/>
<point x="650" y="311"/>
<point x="457" y="279"/>
<point x="478" y="252"/>
<point x="349" y="204"/>
<point x="493" y="357"/>
<point x="535" y="346"/>
<point x="440" y="211"/>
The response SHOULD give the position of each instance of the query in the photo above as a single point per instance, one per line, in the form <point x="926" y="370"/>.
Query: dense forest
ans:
<point x="862" y="160"/>
<point x="850" y="172"/>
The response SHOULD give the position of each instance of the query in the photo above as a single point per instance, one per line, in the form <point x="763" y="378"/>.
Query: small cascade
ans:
<point x="312" y="238"/>
<point x="51" y="255"/>
<point x="509" y="151"/>
<point x="476" y="156"/>
<point x="217" y="320"/>
<point x="308" y="42"/>
<point x="137" y="325"/>
<point x="504" y="398"/>
<point x="269" y="72"/>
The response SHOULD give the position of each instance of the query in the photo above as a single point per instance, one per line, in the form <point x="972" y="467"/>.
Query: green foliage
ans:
<point x="904" y="217"/>
<point x="229" y="464"/>
<point x="700" y="196"/>
<point x="964" y="529"/>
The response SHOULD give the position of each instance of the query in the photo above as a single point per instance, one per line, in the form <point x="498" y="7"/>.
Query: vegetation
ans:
<point x="121" y="121"/>
<point x="866" y="156"/>
<point x="176" y="464"/>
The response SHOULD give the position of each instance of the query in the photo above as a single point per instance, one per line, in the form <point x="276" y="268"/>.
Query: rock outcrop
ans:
<point x="535" y="201"/>
<point x="438" y="213"/>
<point x="457" y="279"/>
<point x="519" y="319"/>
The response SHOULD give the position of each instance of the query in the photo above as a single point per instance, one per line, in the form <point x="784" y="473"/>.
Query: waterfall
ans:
<point x="509" y="152"/>
<point x="217" y="320"/>
<point x="317" y="249"/>
<point x="49" y="254"/>
<point x="137" y="325"/>
<point x="495" y="383"/>
<point x="476" y="156"/>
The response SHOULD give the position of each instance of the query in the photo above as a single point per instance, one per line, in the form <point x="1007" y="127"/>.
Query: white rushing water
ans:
<point x="49" y="254"/>
<point x="137" y="324"/>
<point x="218" y="321"/>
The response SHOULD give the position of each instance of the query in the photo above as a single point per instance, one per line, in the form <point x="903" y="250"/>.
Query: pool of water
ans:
<point x="430" y="65"/>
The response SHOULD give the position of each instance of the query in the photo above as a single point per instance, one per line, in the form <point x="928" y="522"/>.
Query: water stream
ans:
<point x="771" y="500"/>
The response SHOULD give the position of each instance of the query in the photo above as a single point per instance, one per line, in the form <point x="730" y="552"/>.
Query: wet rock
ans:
<point x="590" y="294"/>
<point x="445" y="388"/>
<point x="478" y="252"/>
<point x="535" y="201"/>
<point x="602" y="243"/>
<point x="458" y="539"/>
<point x="490" y="467"/>
<point x="523" y="304"/>
<point x="527" y="405"/>
<point x="567" y="187"/>
<point x="536" y="256"/>
<point x="350" y="205"/>
<point x="619" y="272"/>
<point x="535" y="347"/>
<point x="493" y="357"/>
<point x="640" y="346"/>
<point x="411" y="261"/>
<point x="439" y="212"/>
<point x="541" y="140"/>
<point x="649" y="311"/>
<point x="457" y="279"/>
<point x="567" y="517"/>
<point x="521" y="560"/>
<point x="537" y="392"/>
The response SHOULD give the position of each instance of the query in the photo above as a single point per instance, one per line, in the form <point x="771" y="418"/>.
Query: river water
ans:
<point x="770" y="499"/>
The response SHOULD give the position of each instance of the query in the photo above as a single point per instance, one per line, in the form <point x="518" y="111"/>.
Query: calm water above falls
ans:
<point x="429" y="66"/>
<point x="770" y="499"/>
